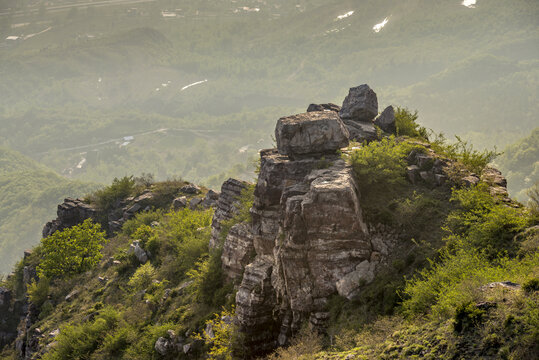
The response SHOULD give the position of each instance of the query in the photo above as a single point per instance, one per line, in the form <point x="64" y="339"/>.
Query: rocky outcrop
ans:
<point x="308" y="234"/>
<point x="317" y="132"/>
<point x="386" y="120"/>
<point x="358" y="110"/>
<point x="71" y="212"/>
<point x="226" y="207"/>
<point x="361" y="104"/>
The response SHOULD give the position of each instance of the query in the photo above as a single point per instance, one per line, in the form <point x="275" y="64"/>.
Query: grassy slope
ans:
<point x="30" y="193"/>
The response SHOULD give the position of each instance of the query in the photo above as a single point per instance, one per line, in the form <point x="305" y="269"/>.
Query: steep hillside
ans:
<point x="361" y="238"/>
<point x="29" y="194"/>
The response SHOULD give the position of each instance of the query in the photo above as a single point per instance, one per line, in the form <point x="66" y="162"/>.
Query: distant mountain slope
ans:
<point x="29" y="194"/>
<point x="520" y="162"/>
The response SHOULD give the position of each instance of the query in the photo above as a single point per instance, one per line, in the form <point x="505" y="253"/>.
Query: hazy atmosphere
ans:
<point x="191" y="90"/>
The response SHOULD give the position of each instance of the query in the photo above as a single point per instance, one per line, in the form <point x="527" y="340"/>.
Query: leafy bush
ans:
<point x="464" y="154"/>
<point x="405" y="123"/>
<point x="208" y="283"/>
<point x="72" y="250"/>
<point x="457" y="277"/>
<point x="142" y="278"/>
<point x="380" y="165"/>
<point x="486" y="224"/>
<point x="224" y="340"/>
<point x="80" y="341"/>
<point x="38" y="291"/>
<point x="106" y="198"/>
<point x="141" y="218"/>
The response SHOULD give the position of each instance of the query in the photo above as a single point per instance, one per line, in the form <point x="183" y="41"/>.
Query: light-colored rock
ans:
<point x="179" y="203"/>
<point x="238" y="251"/>
<point x="163" y="346"/>
<point x="138" y="251"/>
<point x="315" y="132"/>
<point x="349" y="286"/>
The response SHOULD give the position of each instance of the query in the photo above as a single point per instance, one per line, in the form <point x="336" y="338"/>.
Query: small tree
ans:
<point x="72" y="251"/>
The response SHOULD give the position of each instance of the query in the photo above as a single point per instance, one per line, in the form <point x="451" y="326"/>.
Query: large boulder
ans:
<point x="316" y="132"/>
<point x="386" y="120"/>
<point x="361" y="104"/>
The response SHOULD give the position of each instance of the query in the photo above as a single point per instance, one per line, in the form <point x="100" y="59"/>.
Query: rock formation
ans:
<point x="71" y="212"/>
<point x="358" y="110"/>
<point x="307" y="240"/>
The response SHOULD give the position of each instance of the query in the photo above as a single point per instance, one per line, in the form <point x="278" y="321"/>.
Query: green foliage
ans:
<point x="80" y="341"/>
<point x="38" y="291"/>
<point x="380" y="165"/>
<point x="142" y="278"/>
<point x="406" y="125"/>
<point x="224" y="338"/>
<point x="72" y="250"/>
<point x="456" y="279"/>
<point x="106" y="198"/>
<point x="467" y="316"/>
<point x="141" y="218"/>
<point x="487" y="224"/>
<point x="208" y="281"/>
<point x="464" y="154"/>
<point x="30" y="195"/>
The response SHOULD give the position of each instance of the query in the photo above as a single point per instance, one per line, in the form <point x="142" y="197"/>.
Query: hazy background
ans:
<point x="92" y="90"/>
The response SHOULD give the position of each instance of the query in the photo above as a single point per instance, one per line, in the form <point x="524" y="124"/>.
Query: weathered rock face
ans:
<point x="386" y="120"/>
<point x="308" y="234"/>
<point x="316" y="132"/>
<point x="226" y="207"/>
<point x="361" y="104"/>
<point x="71" y="212"/>
<point x="238" y="251"/>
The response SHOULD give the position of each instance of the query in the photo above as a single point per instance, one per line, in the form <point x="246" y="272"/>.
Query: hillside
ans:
<point x="519" y="162"/>
<point x="355" y="241"/>
<point x="30" y="193"/>
<point x="151" y="87"/>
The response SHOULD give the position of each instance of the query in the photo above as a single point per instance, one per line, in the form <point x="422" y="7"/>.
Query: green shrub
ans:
<point x="531" y="286"/>
<point x="457" y="277"/>
<point x="225" y="340"/>
<point x="141" y="218"/>
<point x="106" y="198"/>
<point x="486" y="224"/>
<point x="72" y="250"/>
<point x="380" y="165"/>
<point x="467" y="316"/>
<point x="208" y="281"/>
<point x="38" y="291"/>
<point x="464" y="154"/>
<point x="405" y="124"/>
<point x="142" y="278"/>
<point x="79" y="341"/>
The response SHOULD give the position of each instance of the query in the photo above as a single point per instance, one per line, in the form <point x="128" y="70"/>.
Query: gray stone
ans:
<point x="440" y="179"/>
<point x="351" y="283"/>
<point x="238" y="251"/>
<point x="360" y="131"/>
<point x="310" y="133"/>
<point x="163" y="346"/>
<point x="386" y="120"/>
<point x="323" y="107"/>
<point x="179" y="203"/>
<point x="361" y="104"/>
<point x="190" y="189"/>
<point x="412" y="172"/>
<point x="186" y="348"/>
<point x="195" y="203"/>
<point x="138" y="251"/>
<point x="72" y="295"/>
<point x="470" y="180"/>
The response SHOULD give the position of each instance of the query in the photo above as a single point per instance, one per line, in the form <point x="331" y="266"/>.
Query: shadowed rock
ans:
<point x="386" y="120"/>
<point x="361" y="104"/>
